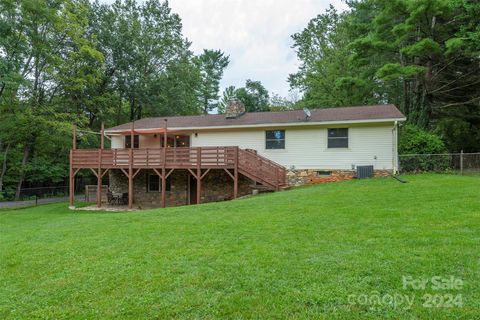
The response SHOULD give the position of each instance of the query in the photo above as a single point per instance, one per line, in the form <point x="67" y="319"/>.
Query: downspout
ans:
<point x="395" y="148"/>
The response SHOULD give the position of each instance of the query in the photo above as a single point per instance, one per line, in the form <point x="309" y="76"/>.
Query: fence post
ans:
<point x="461" y="162"/>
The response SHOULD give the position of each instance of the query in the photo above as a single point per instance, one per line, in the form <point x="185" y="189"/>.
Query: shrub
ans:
<point x="416" y="145"/>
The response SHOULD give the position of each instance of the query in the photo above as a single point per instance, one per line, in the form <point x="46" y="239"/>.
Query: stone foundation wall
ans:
<point x="216" y="186"/>
<point x="177" y="195"/>
<point x="311" y="176"/>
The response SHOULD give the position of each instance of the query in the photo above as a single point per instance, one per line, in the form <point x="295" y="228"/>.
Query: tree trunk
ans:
<point x="205" y="106"/>
<point x="4" y="166"/>
<point x="26" y="154"/>
<point x="119" y="110"/>
<point x="132" y="109"/>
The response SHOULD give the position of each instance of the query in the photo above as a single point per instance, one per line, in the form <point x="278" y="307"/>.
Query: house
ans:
<point x="220" y="157"/>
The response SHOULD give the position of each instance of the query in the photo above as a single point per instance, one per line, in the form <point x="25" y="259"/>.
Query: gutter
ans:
<point x="269" y="125"/>
<point x="395" y="147"/>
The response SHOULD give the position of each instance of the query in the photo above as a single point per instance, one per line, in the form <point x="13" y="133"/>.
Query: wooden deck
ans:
<point x="175" y="158"/>
<point x="198" y="161"/>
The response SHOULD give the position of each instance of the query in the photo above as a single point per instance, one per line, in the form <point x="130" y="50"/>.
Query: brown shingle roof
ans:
<point x="375" y="112"/>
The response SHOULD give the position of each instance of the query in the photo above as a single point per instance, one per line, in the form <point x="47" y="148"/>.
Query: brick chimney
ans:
<point x="235" y="108"/>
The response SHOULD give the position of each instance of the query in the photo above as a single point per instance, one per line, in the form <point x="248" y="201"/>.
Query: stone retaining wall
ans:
<point x="311" y="176"/>
<point x="217" y="185"/>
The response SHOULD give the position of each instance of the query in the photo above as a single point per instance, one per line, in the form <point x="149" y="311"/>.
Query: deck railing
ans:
<point x="260" y="168"/>
<point x="206" y="157"/>
<point x="247" y="161"/>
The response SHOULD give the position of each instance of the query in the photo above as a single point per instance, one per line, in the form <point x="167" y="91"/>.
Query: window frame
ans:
<point x="267" y="139"/>
<point x="136" y="141"/>
<point x="341" y="138"/>
<point x="149" y="176"/>
<point x="168" y="183"/>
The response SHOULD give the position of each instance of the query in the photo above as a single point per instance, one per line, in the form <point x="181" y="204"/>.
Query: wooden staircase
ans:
<point x="262" y="170"/>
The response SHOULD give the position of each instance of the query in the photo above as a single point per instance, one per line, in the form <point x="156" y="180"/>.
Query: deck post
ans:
<point x="164" y="183"/>
<point x="199" y="174"/>
<point x="130" y="180"/>
<point x="72" y="182"/>
<point x="71" y="189"/>
<point x="235" y="175"/>
<point x="164" y="165"/>
<point x="99" y="177"/>
<point x="130" y="169"/>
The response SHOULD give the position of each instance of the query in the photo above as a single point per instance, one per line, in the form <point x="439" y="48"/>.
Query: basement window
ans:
<point x="338" y="138"/>
<point x="324" y="173"/>
<point x="128" y="142"/>
<point x="154" y="183"/>
<point x="275" y="139"/>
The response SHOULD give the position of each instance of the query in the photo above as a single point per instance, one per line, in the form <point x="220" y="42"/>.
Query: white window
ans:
<point x="338" y="138"/>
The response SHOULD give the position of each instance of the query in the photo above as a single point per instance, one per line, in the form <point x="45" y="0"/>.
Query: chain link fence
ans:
<point x="457" y="163"/>
<point x="48" y="194"/>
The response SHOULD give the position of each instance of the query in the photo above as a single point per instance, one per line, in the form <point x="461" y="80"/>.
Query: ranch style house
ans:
<point x="159" y="162"/>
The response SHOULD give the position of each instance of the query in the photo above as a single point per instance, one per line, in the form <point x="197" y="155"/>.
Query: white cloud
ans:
<point x="255" y="33"/>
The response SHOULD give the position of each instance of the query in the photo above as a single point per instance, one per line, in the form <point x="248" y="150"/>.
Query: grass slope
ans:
<point x="296" y="254"/>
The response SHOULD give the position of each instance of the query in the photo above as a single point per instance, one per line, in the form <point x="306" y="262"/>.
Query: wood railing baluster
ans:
<point x="248" y="162"/>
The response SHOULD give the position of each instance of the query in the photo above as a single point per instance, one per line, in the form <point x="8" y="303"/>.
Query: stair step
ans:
<point x="260" y="187"/>
<point x="261" y="170"/>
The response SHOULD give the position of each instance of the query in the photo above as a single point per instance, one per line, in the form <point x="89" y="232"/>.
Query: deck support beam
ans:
<point x="199" y="175"/>
<point x="130" y="168"/>
<point x="130" y="181"/>
<point x="71" y="190"/>
<point x="71" y="185"/>
<point x="99" y="188"/>
<point x="164" y="200"/>
<point x="164" y="177"/>
<point x="164" y="163"/>
<point x="105" y="172"/>
<point x="235" y="175"/>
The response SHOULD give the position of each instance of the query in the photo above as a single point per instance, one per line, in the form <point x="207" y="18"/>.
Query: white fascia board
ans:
<point x="270" y="125"/>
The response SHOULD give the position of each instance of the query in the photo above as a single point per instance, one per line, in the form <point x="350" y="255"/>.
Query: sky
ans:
<point x="256" y="34"/>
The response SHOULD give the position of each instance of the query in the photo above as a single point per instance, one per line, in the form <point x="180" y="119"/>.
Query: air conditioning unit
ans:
<point x="364" y="172"/>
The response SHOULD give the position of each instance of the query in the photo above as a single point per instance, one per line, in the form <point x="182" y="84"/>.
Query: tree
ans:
<point x="72" y="61"/>
<point x="326" y="76"/>
<point x="146" y="52"/>
<point x="279" y="103"/>
<point x="425" y="66"/>
<point x="254" y="96"/>
<point x="422" y="55"/>
<point x="211" y="64"/>
<point x="42" y="42"/>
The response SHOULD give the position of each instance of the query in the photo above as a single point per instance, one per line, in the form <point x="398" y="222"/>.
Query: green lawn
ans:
<point x="311" y="252"/>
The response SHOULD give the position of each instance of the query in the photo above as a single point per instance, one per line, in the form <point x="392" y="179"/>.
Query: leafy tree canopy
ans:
<point x="421" y="55"/>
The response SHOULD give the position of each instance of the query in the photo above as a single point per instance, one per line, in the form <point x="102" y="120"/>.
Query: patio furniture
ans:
<point x="111" y="199"/>
<point x="123" y="199"/>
